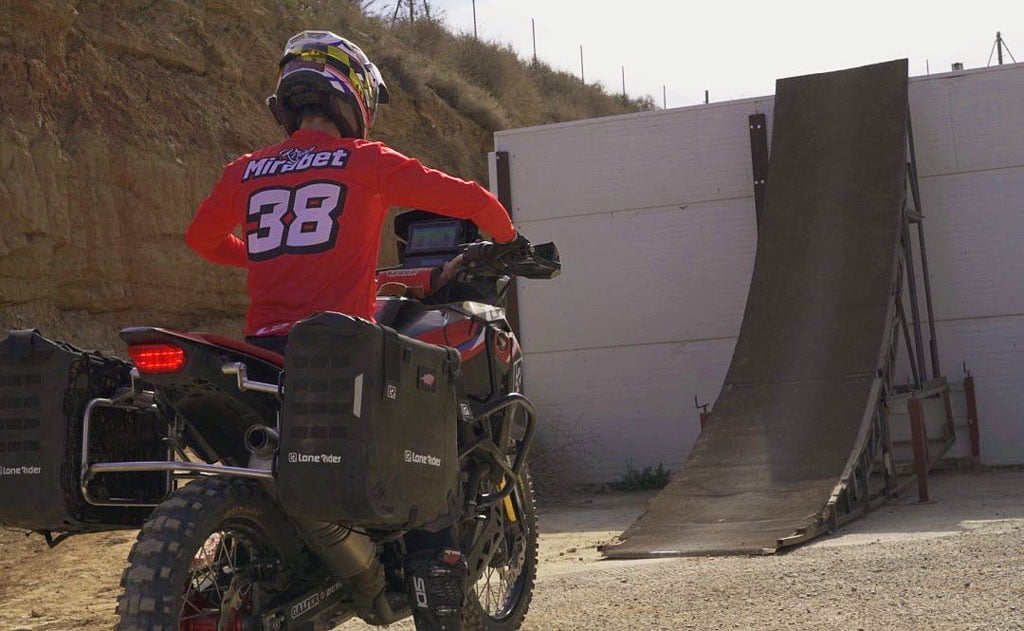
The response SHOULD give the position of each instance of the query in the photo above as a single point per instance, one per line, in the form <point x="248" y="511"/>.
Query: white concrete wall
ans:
<point x="654" y="216"/>
<point x="969" y="134"/>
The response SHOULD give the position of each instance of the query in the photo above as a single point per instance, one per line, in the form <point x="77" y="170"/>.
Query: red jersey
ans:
<point x="311" y="209"/>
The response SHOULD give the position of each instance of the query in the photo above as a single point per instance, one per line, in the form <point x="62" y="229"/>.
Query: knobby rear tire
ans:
<point x="160" y="562"/>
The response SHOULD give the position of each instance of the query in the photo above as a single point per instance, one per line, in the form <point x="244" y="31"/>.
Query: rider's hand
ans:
<point x="520" y="245"/>
<point x="496" y="255"/>
<point x="448" y="271"/>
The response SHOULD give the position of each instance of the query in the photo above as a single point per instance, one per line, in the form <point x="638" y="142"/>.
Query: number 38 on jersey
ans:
<point x="300" y="220"/>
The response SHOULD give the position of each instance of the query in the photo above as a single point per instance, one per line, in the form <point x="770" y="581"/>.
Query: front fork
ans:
<point x="491" y="511"/>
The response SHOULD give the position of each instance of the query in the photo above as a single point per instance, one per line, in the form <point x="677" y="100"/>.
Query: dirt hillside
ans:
<point x="116" y="118"/>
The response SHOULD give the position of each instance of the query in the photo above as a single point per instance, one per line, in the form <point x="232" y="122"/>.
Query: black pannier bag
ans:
<point x="368" y="425"/>
<point x="44" y="388"/>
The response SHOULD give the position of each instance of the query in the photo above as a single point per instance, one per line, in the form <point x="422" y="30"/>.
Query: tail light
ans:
<point x="157" y="358"/>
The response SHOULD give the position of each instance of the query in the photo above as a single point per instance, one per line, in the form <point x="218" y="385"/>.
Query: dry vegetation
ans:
<point x="485" y="82"/>
<point x="116" y="118"/>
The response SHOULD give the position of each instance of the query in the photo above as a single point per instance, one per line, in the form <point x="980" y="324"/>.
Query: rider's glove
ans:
<point x="497" y="255"/>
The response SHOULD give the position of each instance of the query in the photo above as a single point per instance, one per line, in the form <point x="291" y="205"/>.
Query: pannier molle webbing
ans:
<point x="45" y="386"/>
<point x="368" y="427"/>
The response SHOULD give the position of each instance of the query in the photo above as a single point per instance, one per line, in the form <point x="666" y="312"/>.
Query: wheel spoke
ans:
<point x="228" y="566"/>
<point x="216" y="558"/>
<point x="199" y="612"/>
<point x="504" y="584"/>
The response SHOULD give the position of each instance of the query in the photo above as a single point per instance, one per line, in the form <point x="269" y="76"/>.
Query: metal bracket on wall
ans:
<point x="759" y="159"/>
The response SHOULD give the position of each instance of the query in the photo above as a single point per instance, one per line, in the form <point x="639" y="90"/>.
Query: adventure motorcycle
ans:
<point x="285" y="487"/>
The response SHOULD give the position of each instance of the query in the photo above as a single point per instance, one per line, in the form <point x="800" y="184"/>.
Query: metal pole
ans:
<point x="474" y="21"/>
<point x="707" y="97"/>
<point x="623" y="82"/>
<point x="999" y="47"/>
<point x="919" y="433"/>
<point x="533" y="27"/>
<point x="582" y="78"/>
<point x="972" y="414"/>
<point x="915" y="191"/>
<point x="705" y="416"/>
<point x="909" y="342"/>
<point x="915" y="313"/>
<point x="664" y="98"/>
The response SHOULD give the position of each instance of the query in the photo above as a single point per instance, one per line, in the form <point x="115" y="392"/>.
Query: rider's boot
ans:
<point x="437" y="590"/>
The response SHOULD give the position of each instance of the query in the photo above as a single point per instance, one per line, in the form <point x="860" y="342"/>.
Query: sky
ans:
<point x="673" y="51"/>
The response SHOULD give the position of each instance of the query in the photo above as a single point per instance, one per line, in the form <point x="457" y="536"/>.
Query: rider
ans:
<point x="311" y="210"/>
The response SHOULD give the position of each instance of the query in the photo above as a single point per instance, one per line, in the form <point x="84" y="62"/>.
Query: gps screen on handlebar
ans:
<point x="434" y="236"/>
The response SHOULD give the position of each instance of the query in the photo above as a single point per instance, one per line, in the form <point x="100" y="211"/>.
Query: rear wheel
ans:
<point x="206" y="558"/>
<point x="501" y="596"/>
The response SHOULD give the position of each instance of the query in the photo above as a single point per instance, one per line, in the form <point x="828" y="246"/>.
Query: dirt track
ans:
<point x="954" y="563"/>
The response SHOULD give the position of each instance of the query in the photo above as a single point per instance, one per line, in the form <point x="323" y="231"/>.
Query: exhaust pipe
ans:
<point x="261" y="441"/>
<point x="351" y="555"/>
<point x="347" y="554"/>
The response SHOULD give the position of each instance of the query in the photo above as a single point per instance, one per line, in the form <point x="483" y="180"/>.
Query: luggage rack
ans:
<point x="182" y="468"/>
<point x="177" y="469"/>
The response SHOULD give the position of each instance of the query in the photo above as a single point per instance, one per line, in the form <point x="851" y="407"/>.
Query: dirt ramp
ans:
<point x="805" y="376"/>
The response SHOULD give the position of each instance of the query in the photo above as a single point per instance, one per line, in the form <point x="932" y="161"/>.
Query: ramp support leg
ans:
<point x="920" y="436"/>
<point x="915" y="192"/>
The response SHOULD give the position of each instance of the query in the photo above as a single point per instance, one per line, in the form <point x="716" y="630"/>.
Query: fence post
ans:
<point x="972" y="415"/>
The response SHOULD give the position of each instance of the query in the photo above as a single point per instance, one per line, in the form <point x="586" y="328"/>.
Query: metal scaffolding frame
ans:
<point x="873" y="475"/>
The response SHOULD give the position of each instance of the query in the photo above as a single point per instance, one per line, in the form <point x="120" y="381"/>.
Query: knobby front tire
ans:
<point x="503" y="607"/>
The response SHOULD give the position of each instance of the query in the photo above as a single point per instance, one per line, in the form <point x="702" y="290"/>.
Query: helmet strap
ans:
<point x="284" y="116"/>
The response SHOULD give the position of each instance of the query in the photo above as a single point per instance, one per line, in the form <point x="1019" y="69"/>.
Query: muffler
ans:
<point x="351" y="555"/>
<point x="347" y="554"/>
<point x="261" y="440"/>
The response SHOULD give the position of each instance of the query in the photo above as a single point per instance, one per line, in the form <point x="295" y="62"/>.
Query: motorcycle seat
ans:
<point x="242" y="347"/>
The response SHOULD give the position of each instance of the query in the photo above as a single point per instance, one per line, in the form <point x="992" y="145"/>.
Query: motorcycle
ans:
<point x="278" y="493"/>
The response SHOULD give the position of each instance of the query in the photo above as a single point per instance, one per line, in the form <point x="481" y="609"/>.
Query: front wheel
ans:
<point x="501" y="596"/>
<point x="205" y="559"/>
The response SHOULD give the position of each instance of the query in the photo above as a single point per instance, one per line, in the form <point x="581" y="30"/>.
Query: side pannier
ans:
<point x="45" y="387"/>
<point x="368" y="425"/>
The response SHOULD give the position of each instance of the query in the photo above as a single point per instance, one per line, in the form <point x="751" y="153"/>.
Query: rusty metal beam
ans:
<point x="920" y="437"/>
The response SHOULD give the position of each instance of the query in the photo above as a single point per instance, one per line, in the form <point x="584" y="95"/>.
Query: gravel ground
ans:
<point x="956" y="562"/>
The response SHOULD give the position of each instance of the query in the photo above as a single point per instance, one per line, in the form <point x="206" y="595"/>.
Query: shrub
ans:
<point x="649" y="479"/>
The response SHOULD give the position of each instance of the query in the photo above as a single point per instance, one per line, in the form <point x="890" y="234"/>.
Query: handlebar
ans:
<point x="533" y="261"/>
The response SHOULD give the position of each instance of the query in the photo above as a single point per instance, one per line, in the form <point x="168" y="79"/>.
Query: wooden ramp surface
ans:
<point x="804" y="376"/>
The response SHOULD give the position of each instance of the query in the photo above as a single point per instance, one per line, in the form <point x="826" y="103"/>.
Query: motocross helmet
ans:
<point x="320" y="68"/>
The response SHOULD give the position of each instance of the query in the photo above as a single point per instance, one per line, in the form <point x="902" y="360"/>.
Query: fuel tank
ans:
<point x="491" y="357"/>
